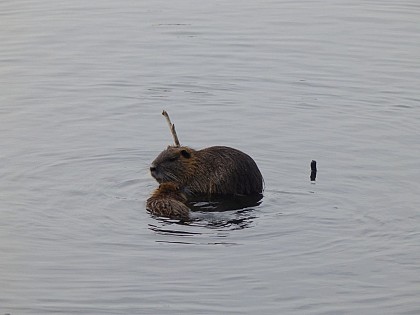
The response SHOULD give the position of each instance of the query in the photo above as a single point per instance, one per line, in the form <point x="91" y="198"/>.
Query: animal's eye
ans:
<point x="186" y="154"/>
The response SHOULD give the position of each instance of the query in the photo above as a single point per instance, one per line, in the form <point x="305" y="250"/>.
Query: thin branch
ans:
<point x="172" y="128"/>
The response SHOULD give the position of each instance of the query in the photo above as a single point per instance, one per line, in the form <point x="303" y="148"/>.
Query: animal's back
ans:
<point x="226" y="171"/>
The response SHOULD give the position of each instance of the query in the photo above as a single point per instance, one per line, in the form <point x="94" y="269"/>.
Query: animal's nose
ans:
<point x="152" y="168"/>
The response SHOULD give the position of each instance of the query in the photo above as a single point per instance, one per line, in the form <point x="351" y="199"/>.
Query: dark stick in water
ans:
<point x="313" y="170"/>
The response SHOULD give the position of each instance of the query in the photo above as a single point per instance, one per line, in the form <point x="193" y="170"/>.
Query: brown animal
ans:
<point x="168" y="201"/>
<point x="212" y="171"/>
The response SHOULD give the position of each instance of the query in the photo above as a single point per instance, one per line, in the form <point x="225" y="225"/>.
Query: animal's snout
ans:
<point x="154" y="171"/>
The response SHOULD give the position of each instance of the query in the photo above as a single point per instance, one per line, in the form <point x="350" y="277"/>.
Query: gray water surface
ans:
<point x="82" y="87"/>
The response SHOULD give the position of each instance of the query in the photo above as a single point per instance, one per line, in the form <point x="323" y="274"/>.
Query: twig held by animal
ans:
<point x="171" y="128"/>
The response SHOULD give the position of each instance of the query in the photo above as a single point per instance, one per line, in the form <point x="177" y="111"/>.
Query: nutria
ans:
<point x="212" y="171"/>
<point x="168" y="201"/>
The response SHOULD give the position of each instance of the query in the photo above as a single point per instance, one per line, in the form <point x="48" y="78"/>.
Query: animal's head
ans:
<point x="175" y="164"/>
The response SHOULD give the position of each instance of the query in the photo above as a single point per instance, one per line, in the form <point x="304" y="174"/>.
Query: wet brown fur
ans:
<point x="168" y="201"/>
<point x="212" y="171"/>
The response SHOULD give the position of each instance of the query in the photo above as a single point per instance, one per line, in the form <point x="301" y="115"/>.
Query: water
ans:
<point x="82" y="86"/>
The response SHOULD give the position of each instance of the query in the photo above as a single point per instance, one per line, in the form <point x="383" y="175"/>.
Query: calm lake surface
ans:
<point x="82" y="88"/>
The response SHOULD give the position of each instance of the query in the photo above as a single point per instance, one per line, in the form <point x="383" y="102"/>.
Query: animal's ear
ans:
<point x="185" y="154"/>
